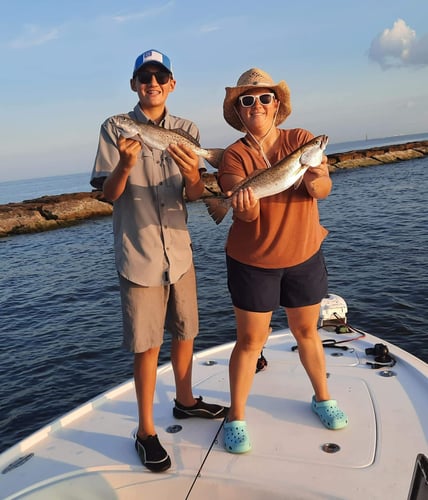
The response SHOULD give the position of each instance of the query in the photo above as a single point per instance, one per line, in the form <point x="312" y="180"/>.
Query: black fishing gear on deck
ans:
<point x="382" y="356"/>
<point x="331" y="343"/>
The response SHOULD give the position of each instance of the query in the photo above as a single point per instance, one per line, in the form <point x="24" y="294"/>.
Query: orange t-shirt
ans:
<point x="287" y="231"/>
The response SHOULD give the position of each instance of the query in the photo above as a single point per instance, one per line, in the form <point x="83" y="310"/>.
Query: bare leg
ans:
<point x="303" y="324"/>
<point x="252" y="331"/>
<point x="145" y="368"/>
<point x="150" y="451"/>
<point x="182" y="358"/>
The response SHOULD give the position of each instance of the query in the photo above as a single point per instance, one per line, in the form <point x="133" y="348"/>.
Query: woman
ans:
<point x="273" y="249"/>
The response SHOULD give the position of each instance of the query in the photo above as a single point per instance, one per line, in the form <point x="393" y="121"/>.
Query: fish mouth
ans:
<point x="119" y="125"/>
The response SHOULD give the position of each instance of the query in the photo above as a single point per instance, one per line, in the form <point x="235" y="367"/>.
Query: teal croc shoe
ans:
<point x="330" y="414"/>
<point x="236" y="439"/>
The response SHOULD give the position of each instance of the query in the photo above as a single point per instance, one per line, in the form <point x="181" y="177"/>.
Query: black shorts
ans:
<point x="262" y="290"/>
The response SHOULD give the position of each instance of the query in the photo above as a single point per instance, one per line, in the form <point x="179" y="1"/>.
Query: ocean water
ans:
<point x="60" y="328"/>
<point x="28" y="189"/>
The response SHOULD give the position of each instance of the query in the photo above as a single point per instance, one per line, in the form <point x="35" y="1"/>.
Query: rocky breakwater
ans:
<point x="378" y="155"/>
<point x="51" y="212"/>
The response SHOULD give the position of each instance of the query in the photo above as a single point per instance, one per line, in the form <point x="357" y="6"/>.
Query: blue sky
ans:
<point x="354" y="69"/>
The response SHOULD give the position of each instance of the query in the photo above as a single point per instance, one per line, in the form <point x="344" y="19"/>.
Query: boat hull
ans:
<point x="89" y="453"/>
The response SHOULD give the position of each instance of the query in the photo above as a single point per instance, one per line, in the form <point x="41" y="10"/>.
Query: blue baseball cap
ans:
<point x="153" y="57"/>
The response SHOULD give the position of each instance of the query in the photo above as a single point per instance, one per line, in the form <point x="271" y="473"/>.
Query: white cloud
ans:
<point x="137" y="16"/>
<point x="34" y="35"/>
<point x="208" y="28"/>
<point x="419" y="53"/>
<point x="399" y="46"/>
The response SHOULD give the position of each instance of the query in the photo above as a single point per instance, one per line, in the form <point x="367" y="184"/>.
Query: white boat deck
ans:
<point x="89" y="453"/>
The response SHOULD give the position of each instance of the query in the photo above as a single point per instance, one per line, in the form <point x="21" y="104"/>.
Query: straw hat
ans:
<point x="251" y="79"/>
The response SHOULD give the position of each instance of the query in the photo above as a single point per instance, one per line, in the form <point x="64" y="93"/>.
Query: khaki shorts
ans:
<point x="148" y="311"/>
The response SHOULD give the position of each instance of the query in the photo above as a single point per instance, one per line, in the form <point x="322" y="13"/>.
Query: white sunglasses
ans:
<point x="247" y="101"/>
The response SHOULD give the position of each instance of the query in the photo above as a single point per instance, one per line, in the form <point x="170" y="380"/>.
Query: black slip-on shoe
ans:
<point x="200" y="409"/>
<point x="152" y="454"/>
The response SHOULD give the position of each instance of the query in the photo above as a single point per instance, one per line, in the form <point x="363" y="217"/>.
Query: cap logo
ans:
<point x="151" y="55"/>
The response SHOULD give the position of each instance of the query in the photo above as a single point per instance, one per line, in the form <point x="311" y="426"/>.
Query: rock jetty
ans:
<point x="377" y="156"/>
<point x="52" y="212"/>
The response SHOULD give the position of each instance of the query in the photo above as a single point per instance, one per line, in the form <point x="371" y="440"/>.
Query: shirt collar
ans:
<point x="141" y="117"/>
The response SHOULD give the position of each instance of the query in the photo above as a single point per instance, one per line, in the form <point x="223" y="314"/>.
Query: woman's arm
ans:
<point x="317" y="180"/>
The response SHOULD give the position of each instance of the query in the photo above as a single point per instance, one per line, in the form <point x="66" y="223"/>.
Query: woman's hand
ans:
<point x="317" y="180"/>
<point x="244" y="200"/>
<point x="245" y="204"/>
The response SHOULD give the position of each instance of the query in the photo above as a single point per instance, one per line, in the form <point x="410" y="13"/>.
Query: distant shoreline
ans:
<point x="370" y="143"/>
<point x="62" y="210"/>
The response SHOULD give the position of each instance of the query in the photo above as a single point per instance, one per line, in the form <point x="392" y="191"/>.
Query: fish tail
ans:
<point x="218" y="207"/>
<point x="214" y="156"/>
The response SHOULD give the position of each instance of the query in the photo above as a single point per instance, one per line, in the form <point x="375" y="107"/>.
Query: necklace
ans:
<point x="260" y="143"/>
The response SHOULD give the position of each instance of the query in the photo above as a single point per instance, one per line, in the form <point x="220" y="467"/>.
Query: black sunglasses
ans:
<point x="162" y="77"/>
<point x="249" y="100"/>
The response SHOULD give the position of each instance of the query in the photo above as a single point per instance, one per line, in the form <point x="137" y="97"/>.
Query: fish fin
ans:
<point x="186" y="135"/>
<point x="214" y="156"/>
<point x="218" y="207"/>
<point x="298" y="182"/>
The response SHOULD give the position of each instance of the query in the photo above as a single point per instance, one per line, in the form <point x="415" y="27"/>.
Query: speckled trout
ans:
<point x="281" y="176"/>
<point x="160" y="138"/>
